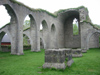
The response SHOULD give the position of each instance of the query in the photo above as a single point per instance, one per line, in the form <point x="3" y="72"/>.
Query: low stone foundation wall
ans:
<point x="84" y="50"/>
<point x="77" y="53"/>
<point x="55" y="58"/>
<point x="5" y="48"/>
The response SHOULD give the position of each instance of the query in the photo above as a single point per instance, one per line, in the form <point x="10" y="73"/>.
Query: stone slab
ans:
<point x="54" y="65"/>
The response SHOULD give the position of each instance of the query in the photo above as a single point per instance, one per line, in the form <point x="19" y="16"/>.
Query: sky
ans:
<point x="54" y="5"/>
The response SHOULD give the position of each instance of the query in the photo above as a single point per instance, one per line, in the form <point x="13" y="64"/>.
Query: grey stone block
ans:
<point x="54" y="65"/>
<point x="68" y="53"/>
<point x="84" y="50"/>
<point x="76" y="52"/>
<point x="69" y="63"/>
<point x="56" y="59"/>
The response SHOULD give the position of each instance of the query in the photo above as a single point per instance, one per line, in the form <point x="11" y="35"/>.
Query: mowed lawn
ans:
<point x="31" y="64"/>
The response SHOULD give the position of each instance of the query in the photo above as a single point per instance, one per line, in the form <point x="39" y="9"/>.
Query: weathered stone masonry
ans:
<point x="57" y="32"/>
<point x="55" y="58"/>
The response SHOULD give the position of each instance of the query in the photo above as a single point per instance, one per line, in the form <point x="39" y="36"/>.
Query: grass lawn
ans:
<point x="31" y="64"/>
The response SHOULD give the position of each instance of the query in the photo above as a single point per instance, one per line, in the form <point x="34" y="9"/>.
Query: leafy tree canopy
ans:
<point x="26" y="24"/>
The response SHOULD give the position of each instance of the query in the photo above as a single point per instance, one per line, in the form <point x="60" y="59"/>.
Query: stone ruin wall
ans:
<point x="61" y="37"/>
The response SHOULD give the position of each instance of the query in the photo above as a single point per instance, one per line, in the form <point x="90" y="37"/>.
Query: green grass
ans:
<point x="31" y="64"/>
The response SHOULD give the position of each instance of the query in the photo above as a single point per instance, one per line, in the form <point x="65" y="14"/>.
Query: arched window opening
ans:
<point x="4" y="16"/>
<point x="53" y="36"/>
<point x="41" y="44"/>
<point x="44" y="33"/>
<point x="26" y="42"/>
<point x="26" y="24"/>
<point x="53" y="29"/>
<point x="43" y="26"/>
<point x="43" y="29"/>
<point x="75" y="27"/>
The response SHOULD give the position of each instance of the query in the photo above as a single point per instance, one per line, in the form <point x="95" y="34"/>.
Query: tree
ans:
<point x="75" y="29"/>
<point x="26" y="24"/>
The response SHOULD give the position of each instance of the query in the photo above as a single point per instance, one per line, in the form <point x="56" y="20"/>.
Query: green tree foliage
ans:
<point x="26" y="40"/>
<point x="26" y="24"/>
<point x="75" y="29"/>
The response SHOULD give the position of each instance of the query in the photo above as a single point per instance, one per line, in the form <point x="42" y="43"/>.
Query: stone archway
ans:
<point x="53" y="36"/>
<point x="32" y="33"/>
<point x="70" y="40"/>
<point x="26" y="42"/>
<point x="6" y="47"/>
<point x="13" y="30"/>
<point x="94" y="37"/>
<point x="45" y="33"/>
<point x="42" y="45"/>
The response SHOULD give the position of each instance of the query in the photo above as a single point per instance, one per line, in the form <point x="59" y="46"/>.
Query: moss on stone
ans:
<point x="32" y="9"/>
<point x="88" y="20"/>
<point x="65" y="10"/>
<point x="94" y="25"/>
<point x="26" y="29"/>
<point x="41" y="10"/>
<point x="19" y="3"/>
<point x="4" y="26"/>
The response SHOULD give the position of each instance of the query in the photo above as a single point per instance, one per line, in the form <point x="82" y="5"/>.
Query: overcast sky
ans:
<point x="54" y="5"/>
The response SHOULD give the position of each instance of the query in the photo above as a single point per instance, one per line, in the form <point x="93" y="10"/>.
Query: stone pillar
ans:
<point x="16" y="31"/>
<point x="54" y="58"/>
<point x="38" y="38"/>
